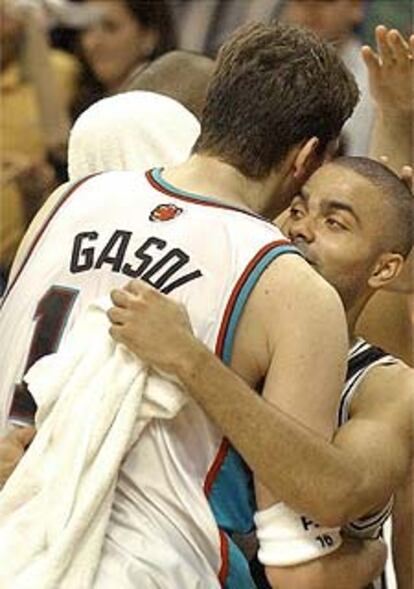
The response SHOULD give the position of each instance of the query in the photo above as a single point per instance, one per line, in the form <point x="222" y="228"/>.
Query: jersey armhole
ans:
<point x="70" y="189"/>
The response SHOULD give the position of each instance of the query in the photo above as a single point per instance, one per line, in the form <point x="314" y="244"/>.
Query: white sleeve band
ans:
<point x="287" y="538"/>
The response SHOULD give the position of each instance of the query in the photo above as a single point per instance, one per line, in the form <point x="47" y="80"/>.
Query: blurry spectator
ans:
<point x="129" y="33"/>
<point x="203" y="25"/>
<point x="335" y="21"/>
<point x="37" y="84"/>
<point x="64" y="34"/>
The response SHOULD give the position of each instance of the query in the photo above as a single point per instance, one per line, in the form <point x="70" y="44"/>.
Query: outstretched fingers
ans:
<point x="400" y="48"/>
<point x="371" y="59"/>
<point x="384" y="50"/>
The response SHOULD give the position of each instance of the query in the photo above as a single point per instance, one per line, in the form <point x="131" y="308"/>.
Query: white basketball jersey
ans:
<point x="205" y="254"/>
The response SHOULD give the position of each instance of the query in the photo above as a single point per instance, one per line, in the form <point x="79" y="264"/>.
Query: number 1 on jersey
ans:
<point x="51" y="316"/>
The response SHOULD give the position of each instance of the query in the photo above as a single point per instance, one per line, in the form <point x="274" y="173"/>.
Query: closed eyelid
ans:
<point x="344" y="211"/>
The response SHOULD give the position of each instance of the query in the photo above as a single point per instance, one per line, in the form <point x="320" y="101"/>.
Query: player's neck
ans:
<point x="353" y="312"/>
<point x="210" y="177"/>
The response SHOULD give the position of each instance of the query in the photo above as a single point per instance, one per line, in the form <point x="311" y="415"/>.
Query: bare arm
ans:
<point x="391" y="76"/>
<point x="298" y="312"/>
<point x="284" y="453"/>
<point x="331" y="483"/>
<point x="353" y="566"/>
<point x="378" y="436"/>
<point x="403" y="533"/>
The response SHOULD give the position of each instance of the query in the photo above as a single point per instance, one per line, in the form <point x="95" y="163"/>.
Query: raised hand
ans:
<point x="391" y="71"/>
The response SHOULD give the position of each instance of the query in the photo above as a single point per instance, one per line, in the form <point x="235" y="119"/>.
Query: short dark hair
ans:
<point x="274" y="86"/>
<point x="398" y="229"/>
<point x="151" y="14"/>
<point x="155" y="15"/>
<point x="182" y="75"/>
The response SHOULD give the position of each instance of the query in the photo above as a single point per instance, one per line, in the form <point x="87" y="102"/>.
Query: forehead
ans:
<point x="334" y="182"/>
<point x="112" y="8"/>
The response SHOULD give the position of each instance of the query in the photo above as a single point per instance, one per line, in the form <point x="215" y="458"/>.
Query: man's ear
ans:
<point x="307" y="160"/>
<point x="387" y="267"/>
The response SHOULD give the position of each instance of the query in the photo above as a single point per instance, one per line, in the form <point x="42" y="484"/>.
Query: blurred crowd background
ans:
<point x="60" y="56"/>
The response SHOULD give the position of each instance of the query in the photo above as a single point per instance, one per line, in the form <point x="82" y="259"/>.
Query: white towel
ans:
<point x="131" y="131"/>
<point x="94" y="400"/>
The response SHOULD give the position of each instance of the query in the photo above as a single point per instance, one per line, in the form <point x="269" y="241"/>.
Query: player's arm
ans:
<point x="403" y="533"/>
<point x="305" y="377"/>
<point x="378" y="438"/>
<point x="353" y="566"/>
<point x="391" y="77"/>
<point x="298" y="310"/>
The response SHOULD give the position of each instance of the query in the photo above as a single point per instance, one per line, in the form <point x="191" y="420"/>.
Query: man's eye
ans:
<point x="295" y="213"/>
<point x="334" y="223"/>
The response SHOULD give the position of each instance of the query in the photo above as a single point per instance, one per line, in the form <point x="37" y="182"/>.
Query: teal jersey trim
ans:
<point x="245" y="292"/>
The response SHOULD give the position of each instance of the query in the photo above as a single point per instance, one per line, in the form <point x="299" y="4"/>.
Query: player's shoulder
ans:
<point x="290" y="290"/>
<point x="292" y="274"/>
<point x="388" y="384"/>
<point x="393" y="373"/>
<point x="114" y="179"/>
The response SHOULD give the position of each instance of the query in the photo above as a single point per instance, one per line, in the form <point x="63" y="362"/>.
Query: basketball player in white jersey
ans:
<point x="391" y="63"/>
<point x="277" y="100"/>
<point x="335" y="222"/>
<point x="92" y="151"/>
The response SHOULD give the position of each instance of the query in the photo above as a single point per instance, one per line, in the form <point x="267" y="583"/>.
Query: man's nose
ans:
<point x="91" y="38"/>
<point x="301" y="229"/>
